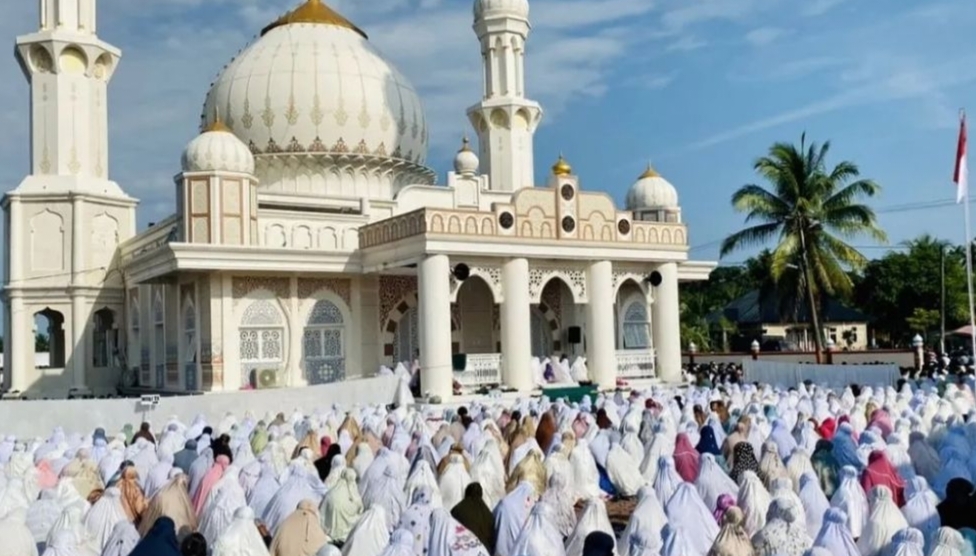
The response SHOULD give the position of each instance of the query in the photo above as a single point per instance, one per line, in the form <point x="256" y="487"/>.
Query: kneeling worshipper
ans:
<point x="474" y="514"/>
<point x="370" y="536"/>
<point x="732" y="539"/>
<point x="300" y="534"/>
<point x="510" y="516"/>
<point x="883" y="522"/>
<point x="17" y="538"/>
<point x="593" y="519"/>
<point x="450" y="538"/>
<point x="172" y="502"/>
<point x="123" y="540"/>
<point x="539" y="537"/>
<point x="159" y="541"/>
<point x="785" y="533"/>
<point x="241" y="537"/>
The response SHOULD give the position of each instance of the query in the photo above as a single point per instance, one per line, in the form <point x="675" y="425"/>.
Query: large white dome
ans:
<point x="312" y="86"/>
<point x="651" y="191"/>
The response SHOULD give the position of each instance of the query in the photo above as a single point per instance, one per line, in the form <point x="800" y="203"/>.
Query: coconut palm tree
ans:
<point x="809" y="210"/>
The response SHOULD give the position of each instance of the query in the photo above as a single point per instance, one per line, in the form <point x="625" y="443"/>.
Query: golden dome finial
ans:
<point x="650" y="172"/>
<point x="561" y="167"/>
<point x="217" y="124"/>
<point x="313" y="11"/>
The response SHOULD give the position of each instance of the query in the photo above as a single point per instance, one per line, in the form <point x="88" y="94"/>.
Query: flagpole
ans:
<point x="969" y="250"/>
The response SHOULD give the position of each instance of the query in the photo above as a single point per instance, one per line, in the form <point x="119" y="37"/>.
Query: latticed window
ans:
<point x="541" y="334"/>
<point x="322" y="344"/>
<point x="636" y="326"/>
<point x="406" y="339"/>
<point x="189" y="332"/>
<point x="103" y="338"/>
<point x="262" y="333"/>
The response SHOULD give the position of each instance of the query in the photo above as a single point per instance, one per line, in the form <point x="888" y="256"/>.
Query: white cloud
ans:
<point x="764" y="35"/>
<point x="685" y="44"/>
<point x="819" y="7"/>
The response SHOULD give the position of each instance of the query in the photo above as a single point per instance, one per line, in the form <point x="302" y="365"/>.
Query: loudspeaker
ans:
<point x="461" y="272"/>
<point x="575" y="335"/>
<point x="655" y="278"/>
<point x="459" y="361"/>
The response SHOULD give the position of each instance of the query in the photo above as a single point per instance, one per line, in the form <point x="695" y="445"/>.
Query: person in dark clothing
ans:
<point x="324" y="464"/>
<point x="958" y="510"/>
<point x="160" y="540"/>
<point x="194" y="545"/>
<point x="473" y="513"/>
<point x="145" y="432"/>
<point x="598" y="543"/>
<point x="221" y="447"/>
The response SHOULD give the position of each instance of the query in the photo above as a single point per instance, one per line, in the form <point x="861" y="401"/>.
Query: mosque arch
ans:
<point x="324" y="342"/>
<point x="104" y="329"/>
<point x="263" y="338"/>
<point x="49" y="324"/>
<point x="401" y="331"/>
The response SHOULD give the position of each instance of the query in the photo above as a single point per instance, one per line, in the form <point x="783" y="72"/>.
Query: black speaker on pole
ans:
<point x="655" y="279"/>
<point x="575" y="335"/>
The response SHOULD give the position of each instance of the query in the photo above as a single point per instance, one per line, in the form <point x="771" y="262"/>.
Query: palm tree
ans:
<point x="810" y="211"/>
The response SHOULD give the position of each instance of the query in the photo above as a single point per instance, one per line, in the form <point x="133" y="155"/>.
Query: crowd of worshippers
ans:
<point x="733" y="471"/>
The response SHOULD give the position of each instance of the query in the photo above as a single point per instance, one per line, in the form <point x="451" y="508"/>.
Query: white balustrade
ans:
<point x="635" y="363"/>
<point x="481" y="369"/>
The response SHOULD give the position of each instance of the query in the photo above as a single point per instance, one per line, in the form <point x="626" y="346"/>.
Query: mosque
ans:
<point x="310" y="243"/>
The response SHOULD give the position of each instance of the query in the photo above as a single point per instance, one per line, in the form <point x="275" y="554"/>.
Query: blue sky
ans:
<point x="699" y="87"/>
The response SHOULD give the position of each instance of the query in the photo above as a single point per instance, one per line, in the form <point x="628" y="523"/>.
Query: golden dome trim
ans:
<point x="561" y="167"/>
<point x="650" y="172"/>
<point x="314" y="11"/>
<point x="217" y="125"/>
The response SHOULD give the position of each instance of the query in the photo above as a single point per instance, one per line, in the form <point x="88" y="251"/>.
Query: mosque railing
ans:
<point x="635" y="363"/>
<point x="481" y="369"/>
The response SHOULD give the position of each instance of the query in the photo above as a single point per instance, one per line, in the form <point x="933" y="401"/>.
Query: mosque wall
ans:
<point x="902" y="358"/>
<point x="38" y="418"/>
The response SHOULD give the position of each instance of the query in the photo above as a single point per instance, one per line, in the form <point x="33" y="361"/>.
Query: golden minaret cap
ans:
<point x="650" y="172"/>
<point x="313" y="11"/>
<point x="561" y="167"/>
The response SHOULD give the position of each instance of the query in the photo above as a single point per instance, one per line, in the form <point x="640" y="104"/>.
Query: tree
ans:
<point x="892" y="287"/>
<point x="810" y="211"/>
<point x="41" y="343"/>
<point x="922" y="320"/>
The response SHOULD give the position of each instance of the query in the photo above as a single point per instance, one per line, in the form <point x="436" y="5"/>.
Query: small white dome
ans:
<point x="514" y="8"/>
<point x="466" y="162"/>
<point x="651" y="191"/>
<point x="217" y="150"/>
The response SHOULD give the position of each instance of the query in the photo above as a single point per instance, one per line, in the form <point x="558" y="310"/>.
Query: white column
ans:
<point x="79" y="342"/>
<point x="15" y="243"/>
<point x="516" y="326"/>
<point x="295" y="361"/>
<point x="601" y="353"/>
<point x="21" y="346"/>
<point x="667" y="324"/>
<point x="434" y="312"/>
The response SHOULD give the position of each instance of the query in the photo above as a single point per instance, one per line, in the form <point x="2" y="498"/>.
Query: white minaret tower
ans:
<point x="66" y="219"/>
<point x="504" y="119"/>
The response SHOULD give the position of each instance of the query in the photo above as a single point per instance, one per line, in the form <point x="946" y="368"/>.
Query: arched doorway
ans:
<point x="541" y="334"/>
<point x="49" y="339"/>
<point x="103" y="338"/>
<point x="189" y="346"/>
<point x="476" y="304"/>
<point x="323" y="344"/>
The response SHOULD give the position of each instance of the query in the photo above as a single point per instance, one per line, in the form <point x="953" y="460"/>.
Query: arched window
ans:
<point x="262" y="340"/>
<point x="323" y="344"/>
<point x="103" y="338"/>
<point x="189" y="344"/>
<point x="49" y="338"/>
<point x="133" y="358"/>
<point x="406" y="339"/>
<point x="541" y="334"/>
<point x="636" y="326"/>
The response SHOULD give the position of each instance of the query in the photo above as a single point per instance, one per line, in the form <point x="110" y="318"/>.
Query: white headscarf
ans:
<point x="815" y="503"/>
<point x="42" y="515"/>
<point x="371" y="534"/>
<point x="850" y="497"/>
<point x="539" y="537"/>
<point x="124" y="538"/>
<point x="624" y="471"/>
<point x="687" y="512"/>
<point x="667" y="480"/>
<point x="948" y="542"/>
<point x="510" y="516"/>
<point x="17" y="538"/>
<point x="103" y="516"/>
<point x="586" y="477"/>
<point x="450" y="538"/>
<point x="785" y="532"/>
<point x="594" y="518"/>
<point x="454" y="480"/>
<point x="225" y="500"/>
<point x="883" y="522"/>
<point x="754" y="500"/>
<point x="401" y="544"/>
<point x="712" y="481"/>
<point x="240" y="537"/>
<point x="835" y="535"/>
<point x="63" y="543"/>
<point x="559" y="498"/>
<point x="647" y="521"/>
<point x="907" y="542"/>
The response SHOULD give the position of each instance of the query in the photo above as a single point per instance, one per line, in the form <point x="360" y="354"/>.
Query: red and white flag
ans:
<point x="961" y="175"/>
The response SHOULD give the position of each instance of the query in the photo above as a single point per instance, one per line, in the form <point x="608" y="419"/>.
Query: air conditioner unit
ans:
<point x="269" y="378"/>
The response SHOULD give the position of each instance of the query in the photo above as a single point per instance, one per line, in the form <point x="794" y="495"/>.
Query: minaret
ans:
<point x="66" y="218"/>
<point x="504" y="119"/>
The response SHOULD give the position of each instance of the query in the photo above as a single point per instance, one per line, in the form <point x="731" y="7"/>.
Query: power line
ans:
<point x="906" y="207"/>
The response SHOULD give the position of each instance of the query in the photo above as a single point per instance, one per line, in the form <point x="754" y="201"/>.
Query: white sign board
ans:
<point x="149" y="400"/>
